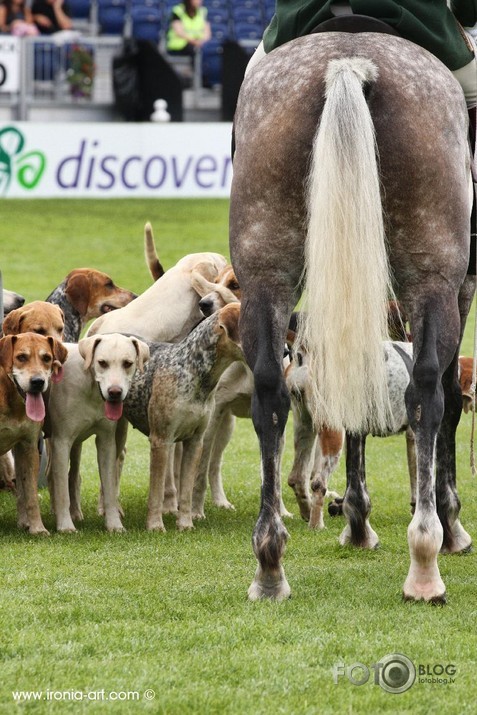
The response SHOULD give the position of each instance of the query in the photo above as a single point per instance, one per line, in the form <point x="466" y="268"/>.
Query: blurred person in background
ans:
<point x="51" y="16"/>
<point x="16" y="18"/>
<point x="189" y="28"/>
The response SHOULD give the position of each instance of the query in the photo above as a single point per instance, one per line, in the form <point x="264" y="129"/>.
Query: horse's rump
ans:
<point x="415" y="194"/>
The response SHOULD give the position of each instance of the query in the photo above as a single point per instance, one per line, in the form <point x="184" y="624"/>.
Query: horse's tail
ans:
<point x="347" y="273"/>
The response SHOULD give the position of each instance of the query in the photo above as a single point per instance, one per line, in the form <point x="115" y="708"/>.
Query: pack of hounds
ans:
<point x="177" y="374"/>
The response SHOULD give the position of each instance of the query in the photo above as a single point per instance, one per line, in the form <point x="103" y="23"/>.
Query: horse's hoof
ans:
<point x="274" y="588"/>
<point x="369" y="539"/>
<point x="460" y="542"/>
<point x="437" y="600"/>
<point x="419" y="587"/>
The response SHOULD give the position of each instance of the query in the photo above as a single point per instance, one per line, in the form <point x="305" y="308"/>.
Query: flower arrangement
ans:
<point x="80" y="73"/>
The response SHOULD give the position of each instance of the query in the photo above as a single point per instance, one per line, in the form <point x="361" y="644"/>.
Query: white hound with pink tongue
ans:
<point x="89" y="401"/>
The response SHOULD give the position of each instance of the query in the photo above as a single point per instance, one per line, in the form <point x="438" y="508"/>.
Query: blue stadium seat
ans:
<point x="80" y="9"/>
<point x="157" y="4"/>
<point x="111" y="16"/>
<point x="209" y="4"/>
<point x="248" y="31"/>
<point x="212" y="60"/>
<point x="218" y="16"/>
<point x="246" y="14"/>
<point x="268" y="10"/>
<point x="220" y="31"/>
<point x="250" y="4"/>
<point x="146" y="22"/>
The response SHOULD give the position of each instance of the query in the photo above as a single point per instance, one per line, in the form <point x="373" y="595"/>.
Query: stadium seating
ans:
<point x="251" y="15"/>
<point x="249" y="4"/>
<point x="218" y="16"/>
<point x="146" y="21"/>
<point x="111" y="16"/>
<point x="212" y="54"/>
<point x="240" y="20"/>
<point x="80" y="9"/>
<point x="220" y="31"/>
<point x="246" y="31"/>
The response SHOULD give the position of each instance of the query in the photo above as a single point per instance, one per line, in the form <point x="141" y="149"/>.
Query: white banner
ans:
<point x="109" y="160"/>
<point x="9" y="63"/>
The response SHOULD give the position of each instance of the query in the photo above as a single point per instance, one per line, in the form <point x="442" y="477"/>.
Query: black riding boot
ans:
<point x="473" y="218"/>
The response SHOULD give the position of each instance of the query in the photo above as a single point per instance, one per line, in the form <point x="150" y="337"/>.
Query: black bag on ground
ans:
<point x="140" y="76"/>
<point x="126" y="80"/>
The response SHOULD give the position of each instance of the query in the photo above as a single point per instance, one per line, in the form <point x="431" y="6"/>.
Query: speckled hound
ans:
<point x="172" y="402"/>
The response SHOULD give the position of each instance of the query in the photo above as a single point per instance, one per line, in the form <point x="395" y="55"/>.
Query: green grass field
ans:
<point x="165" y="616"/>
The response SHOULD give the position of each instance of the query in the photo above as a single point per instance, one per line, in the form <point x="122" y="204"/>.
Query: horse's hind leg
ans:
<point x="356" y="503"/>
<point x="436" y="340"/>
<point x="263" y="329"/>
<point x="455" y="538"/>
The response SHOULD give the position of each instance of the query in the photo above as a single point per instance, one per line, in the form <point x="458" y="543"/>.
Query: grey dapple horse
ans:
<point x="352" y="181"/>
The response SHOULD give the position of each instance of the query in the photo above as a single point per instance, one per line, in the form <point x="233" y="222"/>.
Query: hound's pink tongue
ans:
<point x="113" y="410"/>
<point x="35" y="407"/>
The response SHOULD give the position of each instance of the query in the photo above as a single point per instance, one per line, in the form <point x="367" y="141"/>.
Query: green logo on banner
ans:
<point x="26" y="168"/>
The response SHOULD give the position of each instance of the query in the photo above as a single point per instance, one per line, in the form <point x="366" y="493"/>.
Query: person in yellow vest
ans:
<point x="188" y="29"/>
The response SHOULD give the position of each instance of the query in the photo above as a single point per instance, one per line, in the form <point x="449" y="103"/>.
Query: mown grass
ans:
<point x="168" y="612"/>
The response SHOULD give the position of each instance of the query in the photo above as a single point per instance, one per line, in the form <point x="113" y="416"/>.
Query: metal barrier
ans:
<point x="74" y="70"/>
<point x="64" y="70"/>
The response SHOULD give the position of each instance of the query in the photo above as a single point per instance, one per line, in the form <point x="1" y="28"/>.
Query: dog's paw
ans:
<point x="66" y="530"/>
<point x="155" y="525"/>
<point x="77" y="515"/>
<point x="38" y="531"/>
<point x="185" y="524"/>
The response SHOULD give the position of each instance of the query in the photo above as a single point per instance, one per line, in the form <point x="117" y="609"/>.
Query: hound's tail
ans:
<point x="152" y="259"/>
<point x="347" y="273"/>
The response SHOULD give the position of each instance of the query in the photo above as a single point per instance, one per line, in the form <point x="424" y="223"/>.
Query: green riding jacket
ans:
<point x="428" y="23"/>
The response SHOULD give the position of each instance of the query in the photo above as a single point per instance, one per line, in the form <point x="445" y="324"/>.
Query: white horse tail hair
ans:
<point x="347" y="275"/>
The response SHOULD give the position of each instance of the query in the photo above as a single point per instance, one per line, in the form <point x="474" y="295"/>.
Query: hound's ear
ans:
<point x="61" y="315"/>
<point x="200" y="284"/>
<point x="207" y="269"/>
<point x="6" y="351"/>
<point x="59" y="351"/>
<point x="78" y="291"/>
<point x="229" y="320"/>
<point x="142" y="352"/>
<point x="12" y="322"/>
<point x="86" y="348"/>
<point x="60" y="355"/>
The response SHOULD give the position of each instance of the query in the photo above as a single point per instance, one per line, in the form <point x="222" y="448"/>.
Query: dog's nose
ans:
<point x="115" y="393"/>
<point x="206" y="306"/>
<point x="37" y="384"/>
